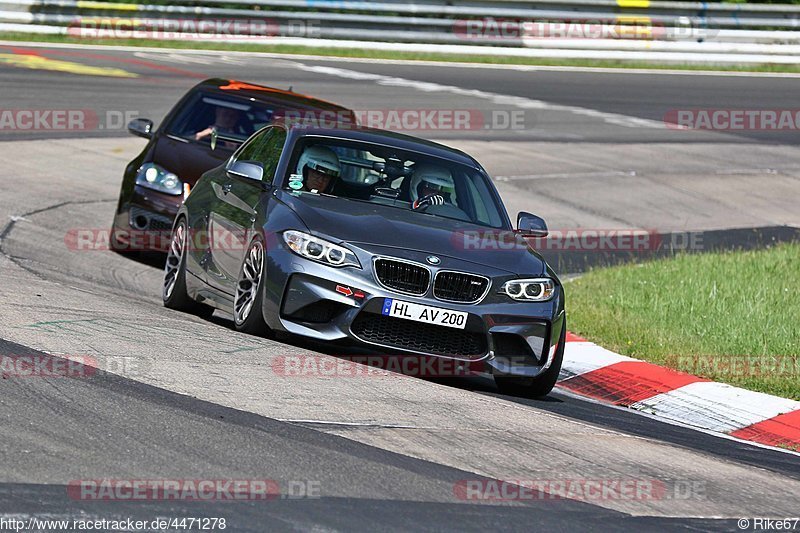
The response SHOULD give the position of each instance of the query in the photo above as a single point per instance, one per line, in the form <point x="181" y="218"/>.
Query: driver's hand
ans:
<point x="204" y="133"/>
<point x="431" y="199"/>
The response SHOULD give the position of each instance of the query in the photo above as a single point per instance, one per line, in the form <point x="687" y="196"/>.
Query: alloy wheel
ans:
<point x="249" y="280"/>
<point x="174" y="259"/>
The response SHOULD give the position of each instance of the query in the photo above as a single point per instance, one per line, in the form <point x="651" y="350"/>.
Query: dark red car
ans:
<point x="198" y="134"/>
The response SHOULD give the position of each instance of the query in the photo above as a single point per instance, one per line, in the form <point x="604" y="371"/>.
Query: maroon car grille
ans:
<point x="403" y="277"/>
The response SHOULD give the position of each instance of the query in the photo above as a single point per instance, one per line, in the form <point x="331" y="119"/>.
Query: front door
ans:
<point x="239" y="208"/>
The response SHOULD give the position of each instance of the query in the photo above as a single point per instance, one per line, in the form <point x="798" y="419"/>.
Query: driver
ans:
<point x="226" y="120"/>
<point x="320" y="168"/>
<point x="431" y="185"/>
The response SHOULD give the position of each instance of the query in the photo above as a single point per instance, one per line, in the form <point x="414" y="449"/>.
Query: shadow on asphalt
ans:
<point x="565" y="404"/>
<point x="570" y="406"/>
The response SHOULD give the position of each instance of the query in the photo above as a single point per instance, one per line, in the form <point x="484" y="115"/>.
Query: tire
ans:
<point x="248" y="309"/>
<point x="541" y="385"/>
<point x="173" y="290"/>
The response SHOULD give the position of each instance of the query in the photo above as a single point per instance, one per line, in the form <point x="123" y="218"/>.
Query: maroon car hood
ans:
<point x="188" y="161"/>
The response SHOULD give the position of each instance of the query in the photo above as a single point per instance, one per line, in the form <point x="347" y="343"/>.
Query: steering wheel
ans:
<point x="428" y="199"/>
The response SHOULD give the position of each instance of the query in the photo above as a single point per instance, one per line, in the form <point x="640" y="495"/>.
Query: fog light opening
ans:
<point x="140" y="222"/>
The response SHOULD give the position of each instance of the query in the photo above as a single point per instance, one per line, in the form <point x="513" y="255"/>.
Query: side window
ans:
<point x="232" y="117"/>
<point x="265" y="149"/>
<point x="250" y="149"/>
<point x="479" y="201"/>
<point x="270" y="152"/>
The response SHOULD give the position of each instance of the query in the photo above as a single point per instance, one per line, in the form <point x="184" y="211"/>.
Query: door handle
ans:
<point x="226" y="188"/>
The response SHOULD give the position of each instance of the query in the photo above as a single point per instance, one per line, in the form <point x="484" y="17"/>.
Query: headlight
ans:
<point x="529" y="290"/>
<point x="153" y="176"/>
<point x="319" y="250"/>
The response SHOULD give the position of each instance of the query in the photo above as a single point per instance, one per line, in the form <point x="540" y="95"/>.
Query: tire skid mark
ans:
<point x="131" y="331"/>
<point x="8" y="228"/>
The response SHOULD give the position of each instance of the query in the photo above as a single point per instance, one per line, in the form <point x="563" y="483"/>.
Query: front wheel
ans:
<point x="248" y="312"/>
<point x="173" y="291"/>
<point x="542" y="384"/>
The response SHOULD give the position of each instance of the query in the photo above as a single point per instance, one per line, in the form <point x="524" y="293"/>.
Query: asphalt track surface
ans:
<point x="178" y="397"/>
<point x="162" y="77"/>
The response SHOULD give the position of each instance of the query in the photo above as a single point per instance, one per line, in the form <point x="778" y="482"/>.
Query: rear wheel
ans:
<point x="174" y="292"/>
<point x="248" y="313"/>
<point x="542" y="384"/>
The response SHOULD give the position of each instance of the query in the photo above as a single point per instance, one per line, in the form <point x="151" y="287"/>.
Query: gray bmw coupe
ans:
<point x="383" y="240"/>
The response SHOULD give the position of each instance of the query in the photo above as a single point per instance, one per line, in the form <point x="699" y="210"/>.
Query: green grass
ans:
<point x="381" y="54"/>
<point x="728" y="316"/>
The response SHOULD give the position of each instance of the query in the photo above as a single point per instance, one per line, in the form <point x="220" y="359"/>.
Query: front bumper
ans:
<point x="145" y="222"/>
<point x="329" y="304"/>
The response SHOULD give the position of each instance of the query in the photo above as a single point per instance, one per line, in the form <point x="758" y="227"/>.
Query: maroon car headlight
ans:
<point x="320" y="250"/>
<point x="156" y="177"/>
<point x="529" y="290"/>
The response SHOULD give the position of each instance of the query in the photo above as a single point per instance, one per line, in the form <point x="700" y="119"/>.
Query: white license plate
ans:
<point x="424" y="313"/>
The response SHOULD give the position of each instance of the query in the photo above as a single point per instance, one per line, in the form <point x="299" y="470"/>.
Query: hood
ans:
<point x="188" y="161"/>
<point x="365" y="224"/>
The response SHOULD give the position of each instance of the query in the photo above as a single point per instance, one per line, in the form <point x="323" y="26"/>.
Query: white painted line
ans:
<point x="410" y="62"/>
<point x="745" y="171"/>
<point x="716" y="406"/>
<point x="495" y="98"/>
<point x="350" y="424"/>
<point x="609" y="174"/>
<point x="184" y="59"/>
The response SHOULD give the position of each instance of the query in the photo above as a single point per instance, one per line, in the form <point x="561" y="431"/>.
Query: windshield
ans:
<point x="235" y="118"/>
<point x="396" y="178"/>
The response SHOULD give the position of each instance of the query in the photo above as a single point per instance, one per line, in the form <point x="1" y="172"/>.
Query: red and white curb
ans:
<point x="592" y="371"/>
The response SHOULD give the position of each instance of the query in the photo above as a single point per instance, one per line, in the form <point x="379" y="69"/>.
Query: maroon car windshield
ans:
<point x="236" y="118"/>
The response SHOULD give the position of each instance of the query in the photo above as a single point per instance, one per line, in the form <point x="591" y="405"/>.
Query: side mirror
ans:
<point x="141" y="127"/>
<point x="529" y="225"/>
<point x="243" y="169"/>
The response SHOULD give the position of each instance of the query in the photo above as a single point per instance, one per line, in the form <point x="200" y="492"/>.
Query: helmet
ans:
<point x="321" y="159"/>
<point x="434" y="177"/>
